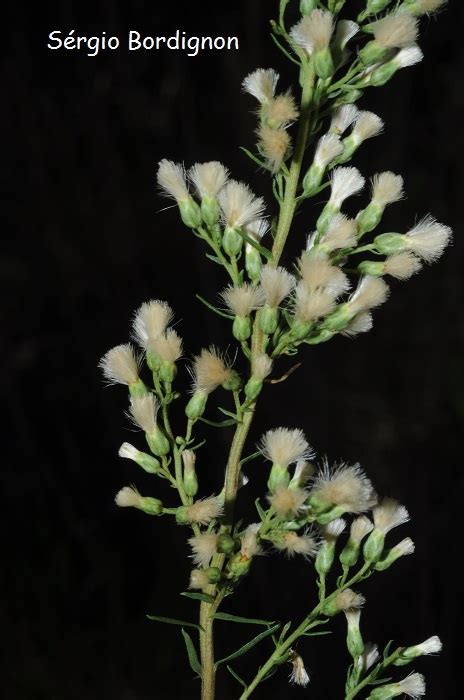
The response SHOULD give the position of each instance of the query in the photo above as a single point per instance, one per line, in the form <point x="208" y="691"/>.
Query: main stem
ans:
<point x="287" y="211"/>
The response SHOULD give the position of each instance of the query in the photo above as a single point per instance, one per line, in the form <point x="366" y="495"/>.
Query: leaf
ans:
<point x="283" y="49"/>
<point x="223" y="424"/>
<point x="198" y="596"/>
<point x="252" y="157"/>
<point x="249" y="645"/>
<point x="172" y="621"/>
<point x="236" y="676"/>
<point x="261" y="249"/>
<point x="245" y="620"/>
<point x="192" y="653"/>
<point x="386" y="651"/>
<point x="213" y="257"/>
<point x="316" y="634"/>
<point x="227" y="413"/>
<point x="213" y="308"/>
<point x="380" y="681"/>
<point x="285" y="629"/>
<point x="250" y="457"/>
<point x="261" y="512"/>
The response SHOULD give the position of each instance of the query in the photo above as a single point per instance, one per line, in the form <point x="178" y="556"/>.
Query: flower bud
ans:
<point x="190" y="213"/>
<point x="354" y="640"/>
<point x="253" y="263"/>
<point x="369" y="218"/>
<point x="138" y="388"/>
<point x="213" y="574"/>
<point x="147" y="462"/>
<point x="233" y="383"/>
<point x="269" y="320"/>
<point x="158" y="442"/>
<point x="389" y="243"/>
<point x="323" y="64"/>
<point x="225" y="544"/>
<point x="210" y="211"/>
<point x="190" y="475"/>
<point x="338" y="319"/>
<point x="253" y="388"/>
<point x="402" y="549"/>
<point x="372" y="268"/>
<point x="232" y="242"/>
<point x="307" y="6"/>
<point x="432" y="645"/>
<point x="373" y="53"/>
<point x="278" y="478"/>
<point x="374" y="545"/>
<point x="241" y="328"/>
<point x="197" y="405"/>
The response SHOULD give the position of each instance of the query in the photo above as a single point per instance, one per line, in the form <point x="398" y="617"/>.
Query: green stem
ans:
<point x="288" y="206"/>
<point x="283" y="648"/>
<point x="379" y="668"/>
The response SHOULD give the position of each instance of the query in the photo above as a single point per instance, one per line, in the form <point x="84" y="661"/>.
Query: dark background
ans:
<point x="86" y="242"/>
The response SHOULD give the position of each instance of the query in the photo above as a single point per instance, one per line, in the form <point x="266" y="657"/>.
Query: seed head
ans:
<point x="370" y="293"/>
<point x="288" y="502"/>
<point x="261" y="366"/>
<point x="362" y="323"/>
<point x="281" y="111"/>
<point x="402" y="265"/>
<point x="274" y="145"/>
<point x="299" y="675"/>
<point x="128" y="497"/>
<point x="168" y="346"/>
<point x="328" y="148"/>
<point x="342" y="118"/>
<point x="292" y="544"/>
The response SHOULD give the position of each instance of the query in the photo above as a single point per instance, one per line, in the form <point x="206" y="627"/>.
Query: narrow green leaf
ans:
<point x="192" y="653"/>
<point x="316" y="634"/>
<point x="386" y="651"/>
<point x="213" y="257"/>
<point x="285" y="629"/>
<point x="252" y="157"/>
<point x="237" y="677"/>
<point x="261" y="249"/>
<point x="381" y="681"/>
<point x="249" y="645"/>
<point x="198" y="596"/>
<point x="261" y="512"/>
<point x="284" y="50"/>
<point x="172" y="621"/>
<point x="250" y="457"/>
<point x="222" y="424"/>
<point x="245" y="620"/>
<point x="211" y="307"/>
<point x="227" y="413"/>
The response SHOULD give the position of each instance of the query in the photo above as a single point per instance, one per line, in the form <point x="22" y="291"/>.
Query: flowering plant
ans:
<point x="332" y="288"/>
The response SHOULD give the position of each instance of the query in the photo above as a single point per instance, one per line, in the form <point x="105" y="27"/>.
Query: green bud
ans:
<point x="158" y="442"/>
<point x="307" y="6"/>
<point x="278" y="478"/>
<point x="232" y="242"/>
<point x="225" y="544"/>
<point x="348" y="97"/>
<point x="323" y="64"/>
<point x="326" y="215"/>
<point x="332" y="514"/>
<point x="253" y="263"/>
<point x="381" y="75"/>
<point x="322" y="337"/>
<point x="153" y="360"/>
<point x="190" y="213"/>
<point x="190" y="475"/>
<point x="239" y="566"/>
<point x="385" y="692"/>
<point x="197" y="405"/>
<point x="137" y="389"/>
<point x="389" y="243"/>
<point x="373" y="7"/>
<point x="336" y="5"/>
<point x="350" y="146"/>
<point x="182" y="516"/>
<point x="374" y="545"/>
<point x="233" y="383"/>
<point x="253" y="388"/>
<point x="210" y="211"/>
<point x="350" y="553"/>
<point x="338" y="319"/>
<point x="241" y="328"/>
<point x="373" y="53"/>
<point x="313" y="178"/>
<point x="325" y="558"/>
<point x="151" y="506"/>
<point x="372" y="268"/>
<point x="167" y="371"/>
<point x="147" y="462"/>
<point x="369" y="218"/>
<point x="301" y="329"/>
<point x="354" y="640"/>
<point x="213" y="574"/>
<point x="268" y="320"/>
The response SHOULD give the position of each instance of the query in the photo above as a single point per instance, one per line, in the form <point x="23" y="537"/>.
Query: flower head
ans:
<point x="389" y="514"/>
<point x="291" y="543"/>
<point x="387" y="188"/>
<point x="143" y="411"/>
<point x="349" y="600"/>
<point x="261" y="84"/>
<point x="151" y="321"/>
<point x="346" y="486"/>
<point x="281" y="111"/>
<point x="210" y="370"/>
<point x="395" y="31"/>
<point x="408" y="56"/>
<point x="332" y="531"/>
<point x="432" y="645"/>
<point x="299" y="675"/>
<point x="342" y="118"/>
<point x="341" y="233"/>
<point x="428" y="239"/>
<point x="261" y="366"/>
<point x="198" y="579"/>
<point x="286" y="502"/>
<point x="370" y="293"/>
<point x="128" y="497"/>
<point x="168" y="346"/>
<point x="402" y="265"/>
<point x="314" y="31"/>
<point x="367" y="126"/>
<point x="413" y="685"/>
<point x="242" y="300"/>
<point x="120" y="365"/>
<point x="250" y="546"/>
<point x="274" y="145"/>
<point x="203" y="548"/>
<point x="239" y="205"/>
<point x="360" y="528"/>
<point x="328" y="148"/>
<point x="345" y="183"/>
<point x="284" y="446"/>
<point x="318" y="274"/>
<point x="362" y="323"/>
<point x="208" y="178"/>
<point x="204" y="510"/>
<point x="276" y="284"/>
<point x="171" y="178"/>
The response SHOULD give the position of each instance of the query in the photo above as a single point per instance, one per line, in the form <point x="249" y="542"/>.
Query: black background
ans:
<point x="86" y="242"/>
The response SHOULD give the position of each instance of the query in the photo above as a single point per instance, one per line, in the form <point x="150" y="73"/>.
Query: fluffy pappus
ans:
<point x="428" y="239"/>
<point x="172" y="180"/>
<point x="276" y="284"/>
<point x="402" y="266"/>
<point x="241" y="301"/>
<point x="210" y="370"/>
<point x="239" y="205"/>
<point x="346" y="182"/>
<point x="151" y="321"/>
<point x="204" y="510"/>
<point x="370" y="293"/>
<point x="288" y="502"/>
<point x="275" y="145"/>
<point x="389" y="514"/>
<point x="120" y="365"/>
<point x="284" y="446"/>
<point x="314" y="31"/>
<point x="387" y="188"/>
<point x="208" y="178"/>
<point x="395" y="31"/>
<point x="346" y="486"/>
<point x="143" y="411"/>
<point x="261" y="84"/>
<point x="203" y="546"/>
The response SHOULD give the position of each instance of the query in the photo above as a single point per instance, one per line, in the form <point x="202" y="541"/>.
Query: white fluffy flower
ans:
<point x="261" y="84"/>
